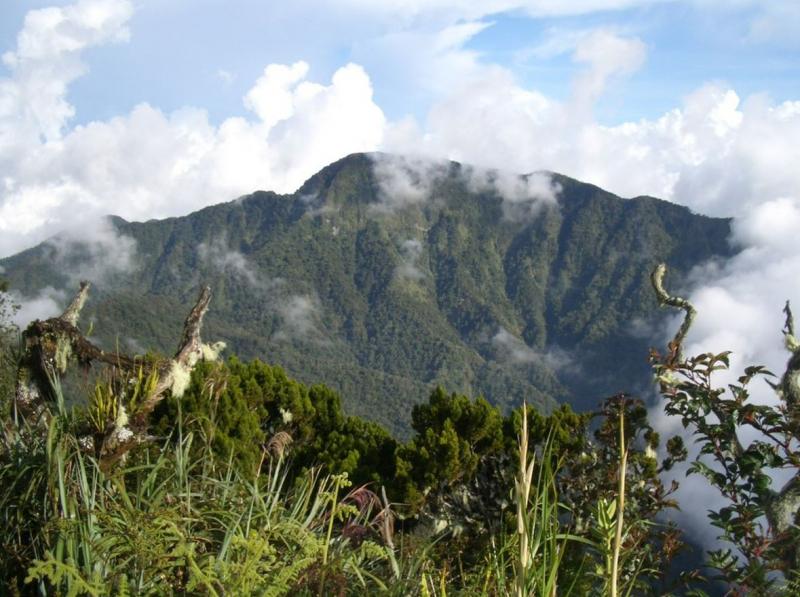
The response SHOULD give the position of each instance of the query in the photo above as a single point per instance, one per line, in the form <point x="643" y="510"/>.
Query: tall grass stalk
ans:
<point x="541" y="542"/>
<point x="623" y="471"/>
<point x="522" y="486"/>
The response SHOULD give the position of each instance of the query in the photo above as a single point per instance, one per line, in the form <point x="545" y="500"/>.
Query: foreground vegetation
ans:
<point x="177" y="520"/>
<point x="246" y="482"/>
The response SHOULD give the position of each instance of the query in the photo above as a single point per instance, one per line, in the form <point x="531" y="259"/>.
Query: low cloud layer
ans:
<point x="299" y="315"/>
<point x="96" y="252"/>
<point x="410" y="180"/>
<point x="523" y="196"/>
<point x="48" y="303"/>
<point x="222" y="258"/>
<point x="740" y="308"/>
<point x="515" y="351"/>
<point x="300" y="319"/>
<point x="410" y="269"/>
<point x="404" y="181"/>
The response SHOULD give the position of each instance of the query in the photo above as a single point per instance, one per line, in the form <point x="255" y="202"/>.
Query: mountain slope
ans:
<point x="384" y="277"/>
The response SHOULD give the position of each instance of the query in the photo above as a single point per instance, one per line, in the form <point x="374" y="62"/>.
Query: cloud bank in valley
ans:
<point x="740" y="305"/>
<point x="48" y="303"/>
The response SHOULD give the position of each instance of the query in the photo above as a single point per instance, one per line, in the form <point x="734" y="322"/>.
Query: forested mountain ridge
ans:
<point x="384" y="277"/>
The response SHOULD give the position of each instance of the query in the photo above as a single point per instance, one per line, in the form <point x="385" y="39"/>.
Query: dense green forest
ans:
<point x="463" y="289"/>
<point x="193" y="475"/>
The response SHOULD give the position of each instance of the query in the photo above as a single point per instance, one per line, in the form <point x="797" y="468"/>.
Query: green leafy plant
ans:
<point x="762" y="543"/>
<point x="759" y="521"/>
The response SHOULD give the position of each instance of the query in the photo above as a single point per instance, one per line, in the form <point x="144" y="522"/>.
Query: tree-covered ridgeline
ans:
<point x="384" y="305"/>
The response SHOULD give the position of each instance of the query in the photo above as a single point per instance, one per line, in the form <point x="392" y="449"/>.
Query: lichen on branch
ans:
<point x="49" y="346"/>
<point x="789" y="387"/>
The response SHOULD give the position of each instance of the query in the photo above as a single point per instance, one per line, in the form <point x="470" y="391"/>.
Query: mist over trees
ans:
<point x="384" y="277"/>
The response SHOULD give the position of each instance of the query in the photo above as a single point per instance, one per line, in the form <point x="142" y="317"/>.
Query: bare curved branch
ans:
<point x="664" y="298"/>
<point x="174" y="374"/>
<point x="50" y="345"/>
<point x="70" y="315"/>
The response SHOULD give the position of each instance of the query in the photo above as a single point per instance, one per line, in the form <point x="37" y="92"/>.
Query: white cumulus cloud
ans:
<point x="147" y="163"/>
<point x="46" y="60"/>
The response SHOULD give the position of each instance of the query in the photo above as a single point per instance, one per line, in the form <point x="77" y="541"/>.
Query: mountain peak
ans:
<point x="385" y="276"/>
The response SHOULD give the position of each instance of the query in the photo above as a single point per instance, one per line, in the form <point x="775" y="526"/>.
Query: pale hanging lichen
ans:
<point x="124" y="434"/>
<point x="212" y="351"/>
<point x="791" y="343"/>
<point x="86" y="443"/>
<point x="63" y="354"/>
<point x="668" y="379"/>
<point x="122" y="418"/>
<point x="181" y="375"/>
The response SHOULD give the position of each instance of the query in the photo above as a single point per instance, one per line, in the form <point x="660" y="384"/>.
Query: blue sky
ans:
<point x="177" y="50"/>
<point x="156" y="108"/>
